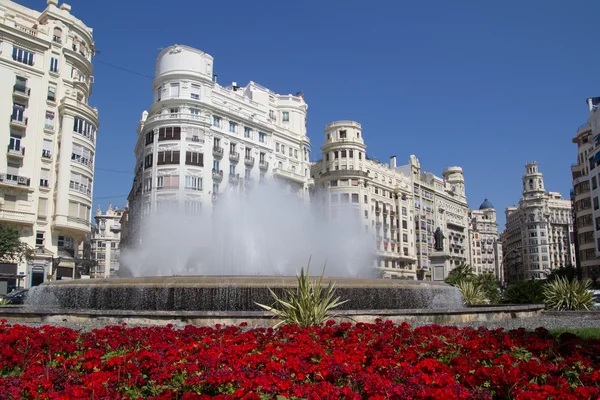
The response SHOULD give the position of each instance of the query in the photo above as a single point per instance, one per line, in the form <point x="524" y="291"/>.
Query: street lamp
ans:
<point x="504" y="256"/>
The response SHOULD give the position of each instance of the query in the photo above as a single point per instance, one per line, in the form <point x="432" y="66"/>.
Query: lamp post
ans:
<point x="55" y="263"/>
<point x="504" y="256"/>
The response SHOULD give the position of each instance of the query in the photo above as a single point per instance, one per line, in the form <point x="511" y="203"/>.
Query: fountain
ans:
<point x="222" y="263"/>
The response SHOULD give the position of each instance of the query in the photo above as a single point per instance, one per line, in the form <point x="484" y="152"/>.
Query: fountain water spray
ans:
<point x="265" y="231"/>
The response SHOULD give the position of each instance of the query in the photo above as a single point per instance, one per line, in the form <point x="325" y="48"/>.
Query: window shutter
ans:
<point x="42" y="206"/>
<point x="73" y="209"/>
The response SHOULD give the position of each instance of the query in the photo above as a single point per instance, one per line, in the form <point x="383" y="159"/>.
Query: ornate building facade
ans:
<point x="106" y="241"/>
<point x="538" y="234"/>
<point x="47" y="169"/>
<point x="200" y="139"/>
<point x="401" y="206"/>
<point x="486" y="249"/>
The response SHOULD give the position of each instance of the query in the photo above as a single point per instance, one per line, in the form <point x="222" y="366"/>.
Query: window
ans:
<point x="167" y="157"/>
<point x="283" y="149"/>
<point x="216" y="166"/>
<point x="247" y="173"/>
<point x="296" y="153"/>
<point x="194" y="158"/>
<point x="22" y="56"/>
<point x="195" y="92"/>
<point x="53" y="64"/>
<point x="277" y="147"/>
<point x="247" y="132"/>
<point x="44" y="178"/>
<point x="193" y="206"/>
<point x="215" y="188"/>
<point x="216" y="121"/>
<point x="18" y="113"/>
<point x="15" y="142"/>
<point x="42" y="207"/>
<point x="261" y="158"/>
<point x="174" y="90"/>
<point x="405" y="238"/>
<point x="147" y="185"/>
<point x="232" y="170"/>
<point x="148" y="161"/>
<point x="195" y="112"/>
<point x="404" y="225"/>
<point x="355" y="197"/>
<point x="167" y="182"/>
<point x="248" y="153"/>
<point x="596" y="203"/>
<point x="47" y="148"/>
<point x="343" y="155"/>
<point x="345" y="198"/>
<point x="193" y="182"/>
<point x="81" y="184"/>
<point x="261" y="137"/>
<point x="271" y="114"/>
<point x="158" y="91"/>
<point x="149" y="137"/>
<point x="174" y="110"/>
<point x="285" y="116"/>
<point x="169" y="133"/>
<point x="20" y="84"/>
<point x="82" y="155"/>
<point x="77" y="211"/>
<point x="84" y="128"/>
<point x="51" y="93"/>
<point x="49" y="121"/>
<point x="290" y="150"/>
<point x="594" y="183"/>
<point x="232" y="127"/>
<point x="342" y="134"/>
<point x="280" y="164"/>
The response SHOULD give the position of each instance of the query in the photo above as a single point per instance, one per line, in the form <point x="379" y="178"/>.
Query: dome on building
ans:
<point x="485" y="204"/>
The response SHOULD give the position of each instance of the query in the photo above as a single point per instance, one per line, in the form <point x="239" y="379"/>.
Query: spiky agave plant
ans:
<point x="471" y="292"/>
<point x="309" y="305"/>
<point x="562" y="294"/>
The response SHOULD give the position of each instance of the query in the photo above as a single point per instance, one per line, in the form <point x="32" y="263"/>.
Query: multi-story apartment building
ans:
<point x="486" y="250"/>
<point x="401" y="206"/>
<point x="105" y="243"/>
<point x="589" y="251"/>
<point x="200" y="139"/>
<point x="538" y="234"/>
<point x="47" y="170"/>
<point x="581" y="194"/>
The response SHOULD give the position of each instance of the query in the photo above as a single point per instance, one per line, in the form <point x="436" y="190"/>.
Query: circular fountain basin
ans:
<point x="234" y="293"/>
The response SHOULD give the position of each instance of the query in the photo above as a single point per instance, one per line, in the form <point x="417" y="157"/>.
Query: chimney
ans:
<point x="393" y="162"/>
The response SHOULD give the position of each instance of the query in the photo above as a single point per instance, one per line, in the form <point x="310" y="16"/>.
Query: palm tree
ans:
<point x="463" y="272"/>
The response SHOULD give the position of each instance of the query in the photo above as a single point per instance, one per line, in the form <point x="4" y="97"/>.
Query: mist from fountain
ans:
<point x="265" y="231"/>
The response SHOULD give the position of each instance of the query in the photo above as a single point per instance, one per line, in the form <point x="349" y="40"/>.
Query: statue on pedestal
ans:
<point x="439" y="239"/>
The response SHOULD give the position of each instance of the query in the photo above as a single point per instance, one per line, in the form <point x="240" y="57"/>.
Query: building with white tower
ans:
<point x="200" y="139"/>
<point x="105" y="242"/>
<point x="401" y="206"/>
<point x="538" y="234"/>
<point x="47" y="167"/>
<point x="486" y="249"/>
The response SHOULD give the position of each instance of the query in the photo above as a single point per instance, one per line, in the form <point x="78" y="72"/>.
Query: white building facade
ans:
<point x="200" y="139"/>
<point x="486" y="250"/>
<point x="590" y="259"/>
<point x="538" y="234"/>
<point x="584" y="226"/>
<point x="401" y="206"/>
<point x="47" y="171"/>
<point x="105" y="243"/>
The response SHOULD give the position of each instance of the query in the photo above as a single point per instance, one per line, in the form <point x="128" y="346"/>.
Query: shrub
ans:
<point x="527" y="292"/>
<point x="562" y="294"/>
<point x="490" y="287"/>
<point x="309" y="305"/>
<point x="463" y="272"/>
<point x="471" y="293"/>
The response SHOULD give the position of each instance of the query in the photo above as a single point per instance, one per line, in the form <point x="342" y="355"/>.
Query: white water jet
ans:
<point x="265" y="231"/>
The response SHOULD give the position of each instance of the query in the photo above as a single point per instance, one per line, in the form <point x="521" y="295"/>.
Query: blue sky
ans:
<point x="484" y="85"/>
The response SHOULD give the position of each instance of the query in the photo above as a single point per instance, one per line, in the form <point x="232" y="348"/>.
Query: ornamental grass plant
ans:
<point x="310" y="304"/>
<point x="564" y="294"/>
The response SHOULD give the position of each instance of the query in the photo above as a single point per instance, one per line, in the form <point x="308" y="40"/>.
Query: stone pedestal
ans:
<point x="440" y="265"/>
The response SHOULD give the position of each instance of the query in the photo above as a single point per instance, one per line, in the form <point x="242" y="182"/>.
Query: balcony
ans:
<point x="175" y="116"/>
<point x="234" y="157"/>
<point x="16" y="153"/>
<point x="14" y="180"/>
<point x="217" y="175"/>
<point x="78" y="187"/>
<point x="234" y="179"/>
<point x="249" y="161"/>
<point x="17" y="216"/>
<point x="218" y="151"/>
<point x="290" y="175"/>
<point x="116" y="227"/>
<point x="18" y="121"/>
<point x="21" y="92"/>
<point x="194" y="139"/>
<point x="263" y="165"/>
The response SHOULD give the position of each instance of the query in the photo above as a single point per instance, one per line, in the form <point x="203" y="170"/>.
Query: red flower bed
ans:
<point x="336" y="361"/>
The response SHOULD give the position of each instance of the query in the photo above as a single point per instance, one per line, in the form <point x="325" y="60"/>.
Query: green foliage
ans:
<point x="461" y="273"/>
<point x="12" y="249"/>
<point x="471" y="292"/>
<point x="569" y="272"/>
<point x="309" y="305"/>
<point x="562" y="294"/>
<point x="584" y="333"/>
<point x="527" y="292"/>
<point x="3" y="301"/>
<point x="490" y="287"/>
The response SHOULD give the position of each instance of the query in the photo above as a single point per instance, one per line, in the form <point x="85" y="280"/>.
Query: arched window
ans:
<point x="531" y="184"/>
<point x="57" y="37"/>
